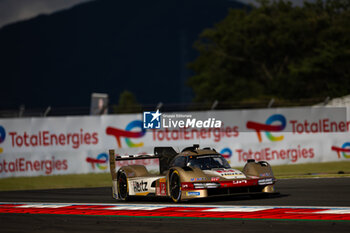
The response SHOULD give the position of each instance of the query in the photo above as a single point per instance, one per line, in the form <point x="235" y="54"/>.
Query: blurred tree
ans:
<point x="275" y="50"/>
<point x="127" y="103"/>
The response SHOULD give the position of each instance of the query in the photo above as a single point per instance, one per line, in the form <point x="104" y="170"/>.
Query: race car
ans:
<point x="192" y="173"/>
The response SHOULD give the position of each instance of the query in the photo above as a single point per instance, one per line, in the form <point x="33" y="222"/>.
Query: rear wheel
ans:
<point x="175" y="186"/>
<point x="123" y="193"/>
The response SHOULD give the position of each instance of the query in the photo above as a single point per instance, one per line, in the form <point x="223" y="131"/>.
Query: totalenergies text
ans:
<point x="24" y="165"/>
<point x="47" y="138"/>
<point x="320" y="126"/>
<point x="268" y="154"/>
<point x="189" y="134"/>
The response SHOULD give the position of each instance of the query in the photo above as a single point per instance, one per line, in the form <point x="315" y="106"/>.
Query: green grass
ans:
<point x="310" y="168"/>
<point x="104" y="179"/>
<point x="57" y="181"/>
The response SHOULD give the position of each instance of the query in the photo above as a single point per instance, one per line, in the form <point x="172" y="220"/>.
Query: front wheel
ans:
<point x="123" y="192"/>
<point x="175" y="186"/>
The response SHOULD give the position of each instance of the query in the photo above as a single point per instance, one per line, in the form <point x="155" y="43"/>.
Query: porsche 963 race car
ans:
<point x="193" y="173"/>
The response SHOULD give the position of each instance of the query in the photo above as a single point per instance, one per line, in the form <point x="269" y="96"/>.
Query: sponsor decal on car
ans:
<point x="161" y="190"/>
<point x="265" y="174"/>
<point x="193" y="193"/>
<point x="229" y="172"/>
<point x="239" y="182"/>
<point x="140" y="186"/>
<point x="226" y="173"/>
<point x="198" y="179"/>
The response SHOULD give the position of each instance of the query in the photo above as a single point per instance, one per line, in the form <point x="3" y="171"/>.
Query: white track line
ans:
<point x="237" y="209"/>
<point x="132" y="208"/>
<point x="44" y="206"/>
<point x="140" y="206"/>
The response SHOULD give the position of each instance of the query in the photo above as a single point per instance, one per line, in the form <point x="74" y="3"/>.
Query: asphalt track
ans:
<point x="293" y="192"/>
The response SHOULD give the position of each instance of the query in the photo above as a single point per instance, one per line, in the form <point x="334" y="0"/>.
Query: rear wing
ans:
<point x="112" y="164"/>
<point x="113" y="159"/>
<point x="164" y="154"/>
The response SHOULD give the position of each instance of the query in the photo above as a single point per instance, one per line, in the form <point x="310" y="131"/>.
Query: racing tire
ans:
<point x="123" y="189"/>
<point x="175" y="186"/>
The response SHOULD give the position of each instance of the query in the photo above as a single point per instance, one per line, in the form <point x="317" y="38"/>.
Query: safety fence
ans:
<point x="80" y="144"/>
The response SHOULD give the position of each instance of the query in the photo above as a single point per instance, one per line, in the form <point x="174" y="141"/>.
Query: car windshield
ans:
<point x="208" y="162"/>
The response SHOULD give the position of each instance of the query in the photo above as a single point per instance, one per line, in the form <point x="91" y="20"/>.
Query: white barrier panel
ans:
<point x="68" y="145"/>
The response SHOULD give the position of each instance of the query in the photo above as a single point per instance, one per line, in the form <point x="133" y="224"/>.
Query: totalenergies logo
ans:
<point x="127" y="133"/>
<point x="2" y="137"/>
<point x="226" y="153"/>
<point x="343" y="150"/>
<point x="268" y="127"/>
<point x="101" y="161"/>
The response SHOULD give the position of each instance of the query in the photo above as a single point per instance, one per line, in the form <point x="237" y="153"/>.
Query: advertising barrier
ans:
<point x="68" y="145"/>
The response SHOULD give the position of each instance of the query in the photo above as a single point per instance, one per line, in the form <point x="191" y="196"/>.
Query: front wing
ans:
<point x="191" y="190"/>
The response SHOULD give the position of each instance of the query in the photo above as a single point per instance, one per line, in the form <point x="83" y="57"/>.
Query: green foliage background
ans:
<point x="127" y="103"/>
<point x="275" y="50"/>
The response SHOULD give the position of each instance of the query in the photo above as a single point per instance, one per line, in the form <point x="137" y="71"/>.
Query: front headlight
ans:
<point x="206" y="185"/>
<point x="266" y="181"/>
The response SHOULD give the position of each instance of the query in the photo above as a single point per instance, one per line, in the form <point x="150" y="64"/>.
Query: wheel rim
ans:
<point x="175" y="187"/>
<point x="122" y="186"/>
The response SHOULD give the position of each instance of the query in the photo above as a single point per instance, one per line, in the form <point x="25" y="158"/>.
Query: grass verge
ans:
<point x="57" y="181"/>
<point x="310" y="170"/>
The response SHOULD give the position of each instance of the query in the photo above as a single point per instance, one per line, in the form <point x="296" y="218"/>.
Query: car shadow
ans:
<point x="236" y="198"/>
<point x="216" y="199"/>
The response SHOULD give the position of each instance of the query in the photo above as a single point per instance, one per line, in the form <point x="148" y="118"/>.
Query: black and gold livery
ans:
<point x="192" y="173"/>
